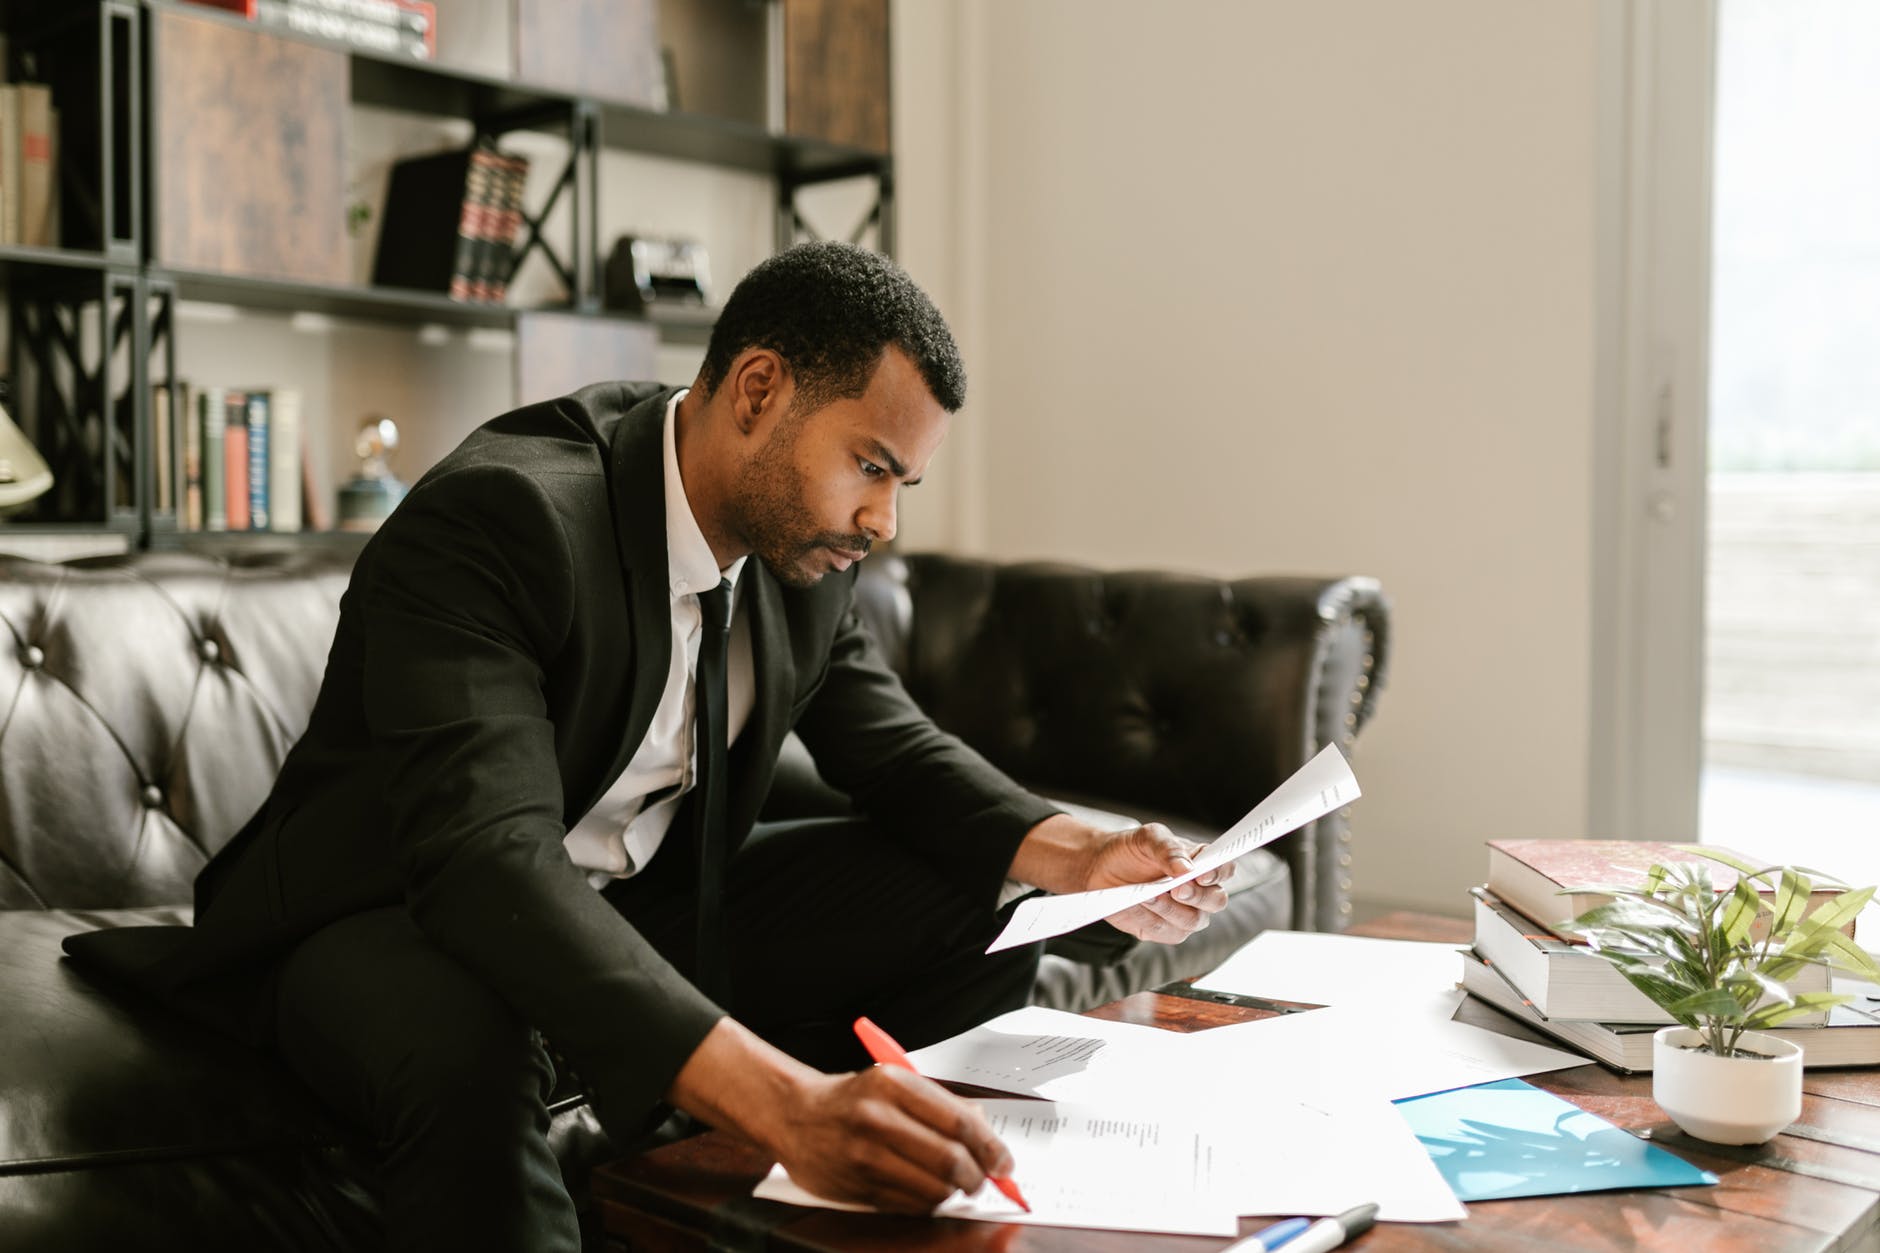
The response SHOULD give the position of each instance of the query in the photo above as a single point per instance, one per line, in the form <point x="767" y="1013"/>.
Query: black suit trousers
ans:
<point x="828" y="921"/>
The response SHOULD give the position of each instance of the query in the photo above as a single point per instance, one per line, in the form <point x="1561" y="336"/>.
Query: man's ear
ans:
<point x="760" y="383"/>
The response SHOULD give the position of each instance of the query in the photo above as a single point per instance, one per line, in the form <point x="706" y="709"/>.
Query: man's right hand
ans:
<point x="889" y="1139"/>
<point x="880" y="1137"/>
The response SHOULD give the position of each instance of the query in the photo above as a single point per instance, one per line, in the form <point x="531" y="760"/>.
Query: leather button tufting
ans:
<point x="153" y="796"/>
<point x="208" y="650"/>
<point x="32" y="657"/>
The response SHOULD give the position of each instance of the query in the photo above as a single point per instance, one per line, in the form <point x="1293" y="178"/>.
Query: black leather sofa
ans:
<point x="146" y="701"/>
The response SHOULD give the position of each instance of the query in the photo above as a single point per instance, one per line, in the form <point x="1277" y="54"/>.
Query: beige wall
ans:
<point x="1261" y="286"/>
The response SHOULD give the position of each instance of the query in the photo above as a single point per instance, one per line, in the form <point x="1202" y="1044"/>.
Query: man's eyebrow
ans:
<point x="879" y="452"/>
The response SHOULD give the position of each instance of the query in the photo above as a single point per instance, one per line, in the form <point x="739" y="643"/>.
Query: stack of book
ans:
<point x="1524" y="966"/>
<point x="405" y="28"/>
<point x="29" y="163"/>
<point x="244" y="459"/>
<point x="451" y="221"/>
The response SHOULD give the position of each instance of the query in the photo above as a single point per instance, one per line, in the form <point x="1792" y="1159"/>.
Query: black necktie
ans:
<point x="708" y="806"/>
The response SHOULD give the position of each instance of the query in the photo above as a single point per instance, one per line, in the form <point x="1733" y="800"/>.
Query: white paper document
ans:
<point x="1277" y="1135"/>
<point x="1355" y="1051"/>
<point x="1323" y="969"/>
<point x="1083" y="1166"/>
<point x="1326" y="1153"/>
<point x="1317" y="788"/>
<point x="1063" y="1057"/>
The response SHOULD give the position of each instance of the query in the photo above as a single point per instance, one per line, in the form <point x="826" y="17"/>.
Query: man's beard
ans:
<point x="774" y="517"/>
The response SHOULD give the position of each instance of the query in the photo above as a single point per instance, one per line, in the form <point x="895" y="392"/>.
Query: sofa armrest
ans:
<point x="1171" y="693"/>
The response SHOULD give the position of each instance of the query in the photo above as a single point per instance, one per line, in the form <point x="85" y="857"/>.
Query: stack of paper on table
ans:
<point x="1085" y="1166"/>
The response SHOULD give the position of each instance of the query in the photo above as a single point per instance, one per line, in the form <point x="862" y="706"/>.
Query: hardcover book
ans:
<point x="38" y="223"/>
<point x="284" y="454"/>
<point x="259" y="494"/>
<point x="1566" y="980"/>
<point x="442" y="225"/>
<point x="1531" y="874"/>
<point x="235" y="459"/>
<point x="212" y="418"/>
<point x="1850" y="1038"/>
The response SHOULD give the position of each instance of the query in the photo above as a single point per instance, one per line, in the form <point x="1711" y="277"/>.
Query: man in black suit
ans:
<point x="456" y="869"/>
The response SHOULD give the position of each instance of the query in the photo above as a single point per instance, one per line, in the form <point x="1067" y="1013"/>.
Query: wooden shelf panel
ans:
<point x="426" y="87"/>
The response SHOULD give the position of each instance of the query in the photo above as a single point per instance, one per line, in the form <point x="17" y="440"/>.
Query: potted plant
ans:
<point x="1719" y="963"/>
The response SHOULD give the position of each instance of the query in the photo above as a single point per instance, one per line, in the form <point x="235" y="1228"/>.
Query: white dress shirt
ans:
<point x="618" y="837"/>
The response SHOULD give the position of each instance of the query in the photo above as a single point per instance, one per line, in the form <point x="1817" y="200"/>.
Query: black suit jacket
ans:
<point x="501" y="649"/>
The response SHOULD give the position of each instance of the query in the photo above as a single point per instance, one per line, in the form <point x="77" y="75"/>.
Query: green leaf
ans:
<point x="1842" y="909"/>
<point x="1662" y="992"/>
<point x="1791" y="902"/>
<point x="1764" y="987"/>
<point x="1709" y="1003"/>
<point x="1740" y="918"/>
<point x="1850" y="958"/>
<point x="1813" y="936"/>
<point x="1717" y="855"/>
<point x="1807" y="1003"/>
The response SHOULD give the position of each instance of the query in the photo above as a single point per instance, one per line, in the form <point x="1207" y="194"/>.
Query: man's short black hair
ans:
<point x="829" y="310"/>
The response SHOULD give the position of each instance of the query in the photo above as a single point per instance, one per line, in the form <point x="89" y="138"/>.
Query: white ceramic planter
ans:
<point x="1727" y="1100"/>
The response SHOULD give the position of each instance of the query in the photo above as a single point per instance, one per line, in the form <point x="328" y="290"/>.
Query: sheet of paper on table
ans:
<point x="1082" y="1166"/>
<point x="1323" y="969"/>
<point x="1063" y="1057"/>
<point x="1317" y="788"/>
<point x="1327" y="1153"/>
<point x="1279" y="1140"/>
<point x="1359" y="1050"/>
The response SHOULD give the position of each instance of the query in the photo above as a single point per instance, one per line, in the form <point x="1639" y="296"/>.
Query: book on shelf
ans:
<point x="160" y="447"/>
<point x="405" y="28"/>
<point x="450" y="223"/>
<point x="243" y="459"/>
<point x="257" y="415"/>
<point x="212" y="419"/>
<point x="1565" y="979"/>
<point x="1851" y="1036"/>
<point x="1531" y="874"/>
<point x="192" y="519"/>
<point x="235" y="458"/>
<point x="284" y="460"/>
<point x="29" y="205"/>
<point x="512" y="173"/>
<point x="9" y="163"/>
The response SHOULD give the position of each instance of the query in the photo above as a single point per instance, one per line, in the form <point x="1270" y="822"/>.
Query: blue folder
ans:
<point x="1509" y="1139"/>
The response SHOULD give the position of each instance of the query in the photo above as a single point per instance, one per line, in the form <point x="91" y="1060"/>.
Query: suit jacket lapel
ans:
<point x="636" y="482"/>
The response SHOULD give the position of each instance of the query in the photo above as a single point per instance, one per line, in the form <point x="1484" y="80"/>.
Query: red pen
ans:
<point x="886" y="1052"/>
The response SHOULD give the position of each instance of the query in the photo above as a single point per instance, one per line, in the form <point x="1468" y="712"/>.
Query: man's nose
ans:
<point x="877" y="518"/>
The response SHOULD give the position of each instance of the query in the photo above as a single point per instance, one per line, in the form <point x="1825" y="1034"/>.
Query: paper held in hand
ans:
<point x="1315" y="789"/>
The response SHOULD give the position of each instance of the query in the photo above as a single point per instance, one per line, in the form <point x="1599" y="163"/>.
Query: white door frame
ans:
<point x="1657" y="72"/>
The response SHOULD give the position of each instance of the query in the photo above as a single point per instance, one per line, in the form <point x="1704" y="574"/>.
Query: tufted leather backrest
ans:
<point x="146" y="702"/>
<point x="1182" y="694"/>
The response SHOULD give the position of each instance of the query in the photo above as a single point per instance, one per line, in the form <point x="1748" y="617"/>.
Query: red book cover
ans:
<point x="1529" y="874"/>
<point x="235" y="459"/>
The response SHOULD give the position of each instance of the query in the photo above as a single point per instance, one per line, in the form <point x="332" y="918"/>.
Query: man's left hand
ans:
<point x="1062" y="854"/>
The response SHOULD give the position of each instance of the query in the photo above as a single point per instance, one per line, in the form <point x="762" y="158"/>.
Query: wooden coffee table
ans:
<point x="1816" y="1187"/>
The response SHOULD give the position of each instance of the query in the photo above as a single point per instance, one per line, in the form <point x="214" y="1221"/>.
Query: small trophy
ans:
<point x="369" y="497"/>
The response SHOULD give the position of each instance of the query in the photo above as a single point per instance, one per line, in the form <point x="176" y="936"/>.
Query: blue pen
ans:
<point x="1269" y="1238"/>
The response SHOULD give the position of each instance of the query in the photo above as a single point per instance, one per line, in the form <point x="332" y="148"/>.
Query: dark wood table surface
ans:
<point x="1814" y="1188"/>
